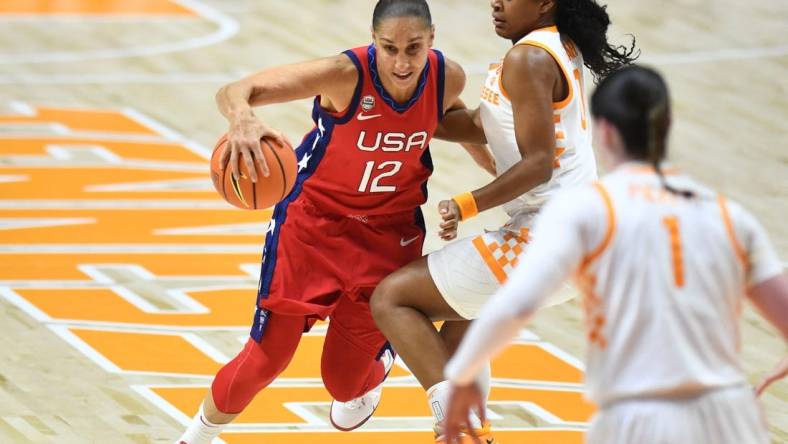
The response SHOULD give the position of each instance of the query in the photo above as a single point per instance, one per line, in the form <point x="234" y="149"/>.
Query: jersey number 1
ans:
<point x="672" y="225"/>
<point x="375" y="187"/>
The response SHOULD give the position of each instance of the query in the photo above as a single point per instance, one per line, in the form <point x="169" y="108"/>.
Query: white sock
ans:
<point x="200" y="431"/>
<point x="438" y="398"/>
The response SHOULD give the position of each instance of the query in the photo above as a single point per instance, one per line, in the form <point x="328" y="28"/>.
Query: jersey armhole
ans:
<point x="741" y="253"/>
<point x="441" y="82"/>
<point x="345" y="115"/>
<point x="570" y="94"/>
<point x="611" y="228"/>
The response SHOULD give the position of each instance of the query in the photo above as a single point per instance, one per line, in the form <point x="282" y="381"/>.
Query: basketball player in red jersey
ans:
<point x="353" y="216"/>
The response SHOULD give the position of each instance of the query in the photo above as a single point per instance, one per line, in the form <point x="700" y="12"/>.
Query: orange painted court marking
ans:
<point x="64" y="266"/>
<point x="133" y="226"/>
<point x="362" y="437"/>
<point x="94" y="7"/>
<point x="148" y="352"/>
<point x="529" y="361"/>
<point x="229" y="308"/>
<point x="75" y="183"/>
<point x="131" y="149"/>
<point x="81" y="120"/>
<point x="163" y="353"/>
<point x="268" y="405"/>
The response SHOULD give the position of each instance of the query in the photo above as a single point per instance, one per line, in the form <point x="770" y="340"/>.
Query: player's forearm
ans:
<point x="459" y="125"/>
<point x="771" y="299"/>
<point x="233" y="100"/>
<point x="525" y="175"/>
<point x="487" y="336"/>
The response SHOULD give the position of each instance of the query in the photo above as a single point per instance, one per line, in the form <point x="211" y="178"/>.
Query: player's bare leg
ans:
<point x="404" y="306"/>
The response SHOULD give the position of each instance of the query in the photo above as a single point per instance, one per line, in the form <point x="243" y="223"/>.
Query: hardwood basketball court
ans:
<point x="125" y="282"/>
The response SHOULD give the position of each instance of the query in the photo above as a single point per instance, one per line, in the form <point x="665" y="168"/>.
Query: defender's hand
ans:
<point x="450" y="213"/>
<point x="458" y="418"/>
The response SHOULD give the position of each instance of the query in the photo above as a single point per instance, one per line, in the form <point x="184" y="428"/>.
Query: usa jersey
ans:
<point x="369" y="164"/>
<point x="372" y="158"/>
<point x="574" y="162"/>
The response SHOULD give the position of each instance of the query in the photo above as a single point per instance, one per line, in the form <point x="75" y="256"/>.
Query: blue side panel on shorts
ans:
<point x="261" y="316"/>
<point x="309" y="153"/>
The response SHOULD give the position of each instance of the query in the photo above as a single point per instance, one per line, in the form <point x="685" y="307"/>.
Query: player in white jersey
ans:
<point x="533" y="115"/>
<point x="664" y="264"/>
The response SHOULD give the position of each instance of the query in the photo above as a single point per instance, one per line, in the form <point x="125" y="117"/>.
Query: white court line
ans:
<point x="729" y="54"/>
<point x="228" y="27"/>
<point x="66" y="334"/>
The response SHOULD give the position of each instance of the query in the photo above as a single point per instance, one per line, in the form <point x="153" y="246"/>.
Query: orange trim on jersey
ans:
<point x="500" y="84"/>
<point x="570" y="95"/>
<point x="559" y="135"/>
<point x="492" y="264"/>
<point x="556" y="118"/>
<point x="553" y="29"/>
<point x="611" y="227"/>
<point x="737" y="247"/>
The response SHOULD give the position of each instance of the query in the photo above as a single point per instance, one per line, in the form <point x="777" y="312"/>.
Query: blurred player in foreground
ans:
<point x="664" y="264"/>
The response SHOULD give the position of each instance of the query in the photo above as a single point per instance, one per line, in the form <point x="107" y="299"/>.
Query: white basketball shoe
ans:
<point x="347" y="416"/>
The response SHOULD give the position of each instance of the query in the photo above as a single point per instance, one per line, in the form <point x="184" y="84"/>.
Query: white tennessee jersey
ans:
<point x="574" y="163"/>
<point x="663" y="279"/>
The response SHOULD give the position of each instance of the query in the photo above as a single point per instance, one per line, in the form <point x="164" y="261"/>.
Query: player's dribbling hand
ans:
<point x="780" y="372"/>
<point x="458" y="417"/>
<point x="450" y="213"/>
<point x="246" y="134"/>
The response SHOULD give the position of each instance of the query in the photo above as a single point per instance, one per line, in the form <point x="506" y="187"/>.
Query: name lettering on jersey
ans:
<point x="392" y="142"/>
<point x="652" y="194"/>
<point x="571" y="49"/>
<point x="490" y="96"/>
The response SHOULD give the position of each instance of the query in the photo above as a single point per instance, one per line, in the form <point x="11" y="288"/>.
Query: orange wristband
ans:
<point x="467" y="205"/>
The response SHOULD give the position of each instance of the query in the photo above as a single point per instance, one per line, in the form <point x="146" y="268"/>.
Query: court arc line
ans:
<point x="228" y="27"/>
<point x="728" y="54"/>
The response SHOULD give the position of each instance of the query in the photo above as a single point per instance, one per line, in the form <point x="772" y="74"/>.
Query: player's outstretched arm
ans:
<point x="771" y="299"/>
<point x="332" y="78"/>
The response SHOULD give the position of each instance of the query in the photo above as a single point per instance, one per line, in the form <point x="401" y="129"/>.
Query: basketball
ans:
<point x="248" y="195"/>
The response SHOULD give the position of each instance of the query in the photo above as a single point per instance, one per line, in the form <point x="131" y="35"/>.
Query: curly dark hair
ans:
<point x="585" y="22"/>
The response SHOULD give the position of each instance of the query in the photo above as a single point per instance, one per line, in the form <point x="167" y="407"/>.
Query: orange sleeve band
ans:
<point x="467" y="205"/>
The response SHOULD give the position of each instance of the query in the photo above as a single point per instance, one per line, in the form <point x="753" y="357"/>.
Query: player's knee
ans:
<point x="385" y="297"/>
<point x="340" y="390"/>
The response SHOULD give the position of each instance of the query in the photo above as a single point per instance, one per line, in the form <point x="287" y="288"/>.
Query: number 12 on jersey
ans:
<point x="388" y="169"/>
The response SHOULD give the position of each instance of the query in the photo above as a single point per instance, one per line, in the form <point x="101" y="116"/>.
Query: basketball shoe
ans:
<point x="347" y="416"/>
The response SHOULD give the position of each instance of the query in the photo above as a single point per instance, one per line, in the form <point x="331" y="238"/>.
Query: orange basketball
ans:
<point x="245" y="194"/>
